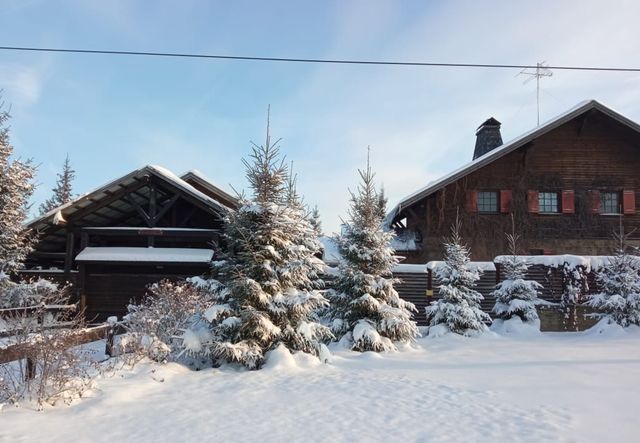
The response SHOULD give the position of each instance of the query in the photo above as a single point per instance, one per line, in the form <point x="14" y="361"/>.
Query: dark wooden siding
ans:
<point x="592" y="153"/>
<point x="108" y="289"/>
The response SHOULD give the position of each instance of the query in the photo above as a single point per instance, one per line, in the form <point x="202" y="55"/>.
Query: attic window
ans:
<point x="548" y="202"/>
<point x="488" y="202"/>
<point x="610" y="202"/>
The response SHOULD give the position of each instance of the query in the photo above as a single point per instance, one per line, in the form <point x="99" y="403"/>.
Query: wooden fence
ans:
<point x="28" y="351"/>
<point x="422" y="288"/>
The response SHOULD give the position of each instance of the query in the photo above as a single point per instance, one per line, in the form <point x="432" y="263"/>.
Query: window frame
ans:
<point x="541" y="206"/>
<point x="496" y="209"/>
<point x="619" y="210"/>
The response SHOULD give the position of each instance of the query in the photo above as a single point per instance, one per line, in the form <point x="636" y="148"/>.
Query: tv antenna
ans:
<point x="540" y="71"/>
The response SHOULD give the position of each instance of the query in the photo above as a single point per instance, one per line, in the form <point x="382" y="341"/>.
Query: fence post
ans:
<point x="30" y="372"/>
<point x="111" y="332"/>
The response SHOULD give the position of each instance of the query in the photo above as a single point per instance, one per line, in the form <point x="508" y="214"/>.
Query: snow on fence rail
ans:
<point x="419" y="283"/>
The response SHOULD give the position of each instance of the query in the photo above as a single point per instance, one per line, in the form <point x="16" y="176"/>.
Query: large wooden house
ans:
<point x="568" y="184"/>
<point x="140" y="228"/>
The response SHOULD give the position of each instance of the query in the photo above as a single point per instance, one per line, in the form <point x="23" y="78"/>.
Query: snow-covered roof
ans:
<point x="506" y="148"/>
<point x="330" y="253"/>
<point x="64" y="211"/>
<point x="145" y="255"/>
<point x="204" y="181"/>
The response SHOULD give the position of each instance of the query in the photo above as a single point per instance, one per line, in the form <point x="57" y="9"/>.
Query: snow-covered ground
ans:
<point x="547" y="387"/>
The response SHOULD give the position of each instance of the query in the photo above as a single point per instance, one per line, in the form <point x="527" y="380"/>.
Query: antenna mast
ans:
<point x="540" y="71"/>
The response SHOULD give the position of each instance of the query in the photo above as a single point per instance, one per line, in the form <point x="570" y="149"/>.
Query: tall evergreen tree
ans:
<point x="16" y="188"/>
<point x="458" y="308"/>
<point x="365" y="309"/>
<point x="619" y="283"/>
<point x="515" y="295"/>
<point x="62" y="192"/>
<point x="270" y="294"/>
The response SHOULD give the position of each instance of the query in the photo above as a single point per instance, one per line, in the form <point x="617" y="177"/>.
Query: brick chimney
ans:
<point x="488" y="137"/>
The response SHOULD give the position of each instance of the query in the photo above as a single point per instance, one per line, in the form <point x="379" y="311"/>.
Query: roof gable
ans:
<point x="506" y="148"/>
<point x="99" y="195"/>
<point x="198" y="180"/>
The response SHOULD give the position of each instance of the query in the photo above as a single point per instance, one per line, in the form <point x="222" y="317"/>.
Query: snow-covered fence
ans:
<point x="24" y="350"/>
<point x="43" y="315"/>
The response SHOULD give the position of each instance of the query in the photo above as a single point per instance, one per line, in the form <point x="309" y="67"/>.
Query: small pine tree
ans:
<point x="270" y="292"/>
<point x="575" y="284"/>
<point x="619" y="282"/>
<point x="365" y="309"/>
<point x="458" y="308"/>
<point x="62" y="193"/>
<point x="516" y="296"/>
<point x="16" y="188"/>
<point x="316" y="223"/>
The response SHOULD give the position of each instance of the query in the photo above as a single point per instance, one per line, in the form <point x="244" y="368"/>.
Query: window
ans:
<point x="610" y="202"/>
<point x="548" y="202"/>
<point x="488" y="202"/>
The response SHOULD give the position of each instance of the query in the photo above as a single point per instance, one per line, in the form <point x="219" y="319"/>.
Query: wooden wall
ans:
<point x="594" y="152"/>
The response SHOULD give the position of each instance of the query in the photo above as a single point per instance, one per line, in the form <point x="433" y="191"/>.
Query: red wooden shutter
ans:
<point x="505" y="201"/>
<point x="568" y="201"/>
<point x="628" y="202"/>
<point x="532" y="202"/>
<point x="594" y="201"/>
<point x="472" y="201"/>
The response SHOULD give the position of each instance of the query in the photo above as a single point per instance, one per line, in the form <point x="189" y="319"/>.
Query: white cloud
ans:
<point x="21" y="84"/>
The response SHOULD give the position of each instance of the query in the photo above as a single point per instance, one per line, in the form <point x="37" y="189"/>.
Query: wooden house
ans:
<point x="569" y="183"/>
<point x="140" y="228"/>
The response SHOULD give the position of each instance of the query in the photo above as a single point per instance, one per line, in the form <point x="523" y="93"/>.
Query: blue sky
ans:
<point x="113" y="114"/>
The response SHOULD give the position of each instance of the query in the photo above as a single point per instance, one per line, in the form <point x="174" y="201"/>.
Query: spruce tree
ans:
<point x="365" y="309"/>
<point x="515" y="295"/>
<point x="458" y="308"/>
<point x="619" y="283"/>
<point x="62" y="192"/>
<point x="316" y="223"/>
<point x="16" y="188"/>
<point x="270" y="292"/>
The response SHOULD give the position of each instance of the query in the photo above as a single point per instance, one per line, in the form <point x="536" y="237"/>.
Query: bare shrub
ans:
<point x="156" y="326"/>
<point x="50" y="366"/>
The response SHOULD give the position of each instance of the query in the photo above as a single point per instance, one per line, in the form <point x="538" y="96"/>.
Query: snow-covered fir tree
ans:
<point x="458" y="309"/>
<point x="16" y="188"/>
<point x="619" y="283"/>
<point x="515" y="295"/>
<point x="62" y="192"/>
<point x="269" y="293"/>
<point x="575" y="285"/>
<point x="314" y="219"/>
<point x="366" y="311"/>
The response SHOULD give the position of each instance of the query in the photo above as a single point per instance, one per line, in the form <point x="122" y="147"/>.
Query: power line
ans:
<point x="314" y="60"/>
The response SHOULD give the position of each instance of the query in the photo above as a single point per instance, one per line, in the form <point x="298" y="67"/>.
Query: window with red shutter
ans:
<point x="533" y="204"/>
<point x="568" y="201"/>
<point x="629" y="202"/>
<point x="472" y="201"/>
<point x="505" y="201"/>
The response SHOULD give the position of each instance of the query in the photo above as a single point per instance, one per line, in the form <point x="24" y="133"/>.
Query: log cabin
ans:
<point x="568" y="184"/>
<point x="138" y="229"/>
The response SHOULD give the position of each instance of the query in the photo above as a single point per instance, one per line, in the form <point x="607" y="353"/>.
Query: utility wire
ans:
<point x="315" y="60"/>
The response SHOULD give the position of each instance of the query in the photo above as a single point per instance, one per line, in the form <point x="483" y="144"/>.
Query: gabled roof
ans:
<point x="505" y="149"/>
<point x="95" y="196"/>
<point x="198" y="179"/>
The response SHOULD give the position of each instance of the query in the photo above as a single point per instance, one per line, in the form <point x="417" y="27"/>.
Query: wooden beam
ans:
<point x="153" y="210"/>
<point x="140" y="210"/>
<point x="124" y="190"/>
<point x="187" y="217"/>
<point x="166" y="207"/>
<point x="68" y="259"/>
